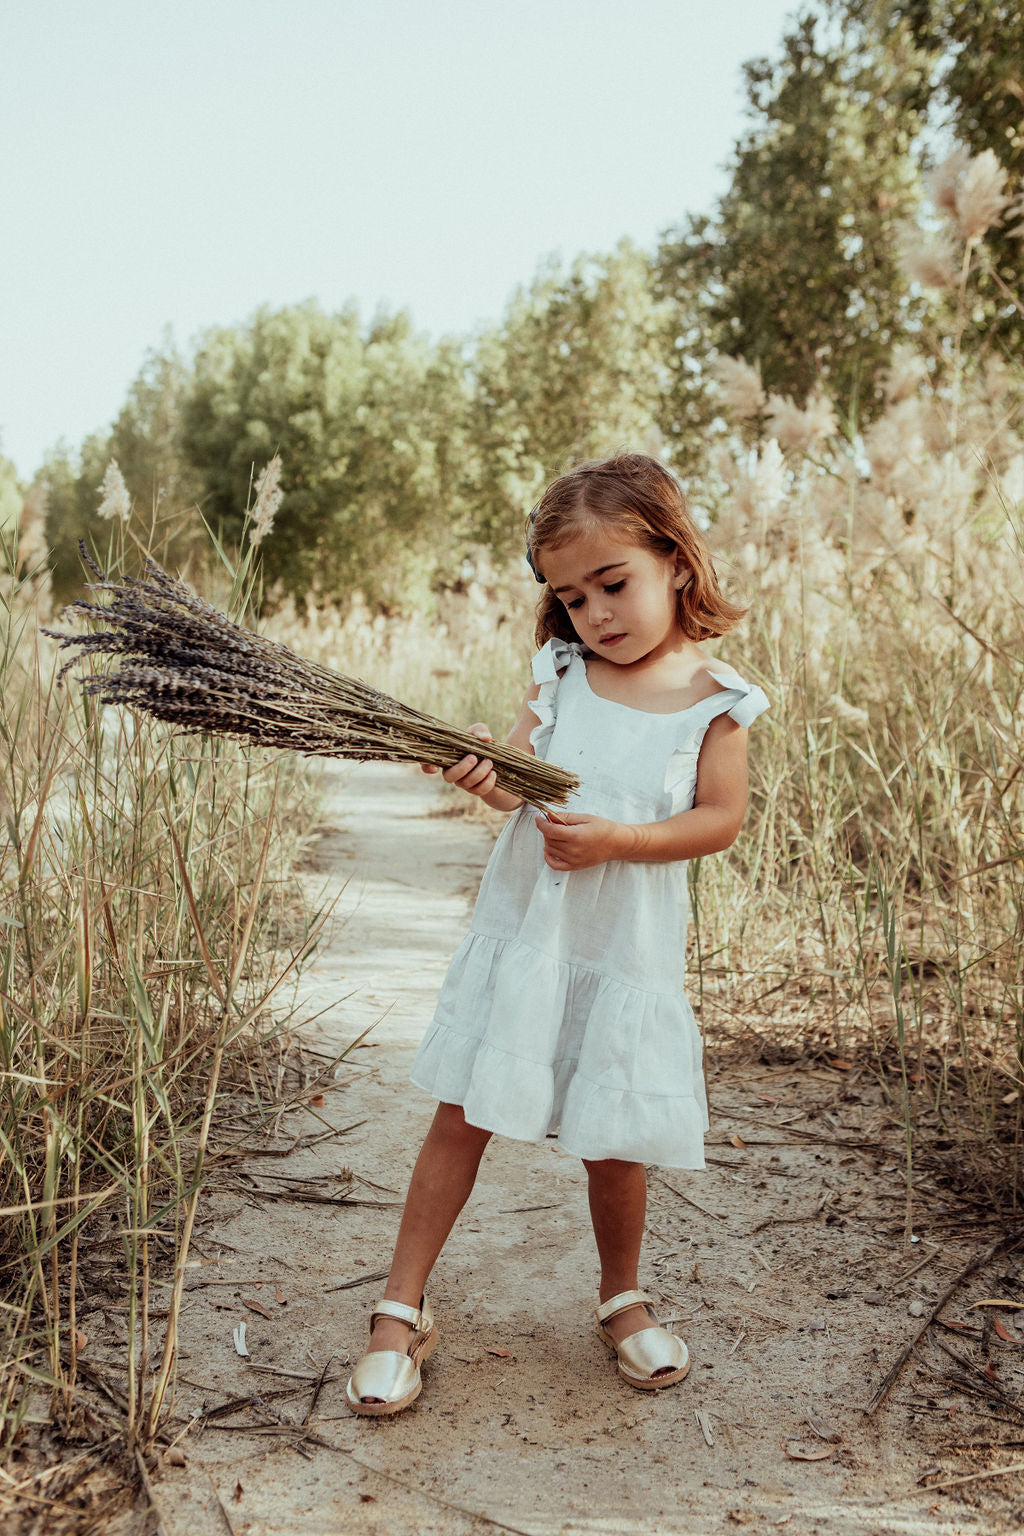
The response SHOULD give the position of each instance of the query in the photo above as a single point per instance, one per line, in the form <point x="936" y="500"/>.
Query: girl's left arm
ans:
<point x="711" y="825"/>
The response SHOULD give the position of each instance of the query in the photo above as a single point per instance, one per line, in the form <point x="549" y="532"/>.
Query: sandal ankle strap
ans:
<point x="621" y="1303"/>
<point x="418" y="1318"/>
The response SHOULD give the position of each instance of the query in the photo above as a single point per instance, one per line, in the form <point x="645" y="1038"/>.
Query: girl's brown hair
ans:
<point x="645" y="504"/>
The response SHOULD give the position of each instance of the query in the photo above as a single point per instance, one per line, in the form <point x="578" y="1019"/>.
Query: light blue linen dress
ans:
<point x="564" y="1009"/>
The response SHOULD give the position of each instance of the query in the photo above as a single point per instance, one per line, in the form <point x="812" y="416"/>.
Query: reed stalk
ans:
<point x="107" y="1014"/>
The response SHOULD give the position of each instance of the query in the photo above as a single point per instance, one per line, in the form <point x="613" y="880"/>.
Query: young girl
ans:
<point x="563" y="1011"/>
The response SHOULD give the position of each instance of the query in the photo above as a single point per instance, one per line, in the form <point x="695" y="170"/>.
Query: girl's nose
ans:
<point x="599" y="609"/>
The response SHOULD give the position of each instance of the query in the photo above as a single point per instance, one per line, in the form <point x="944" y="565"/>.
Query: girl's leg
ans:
<point x="441" y="1183"/>
<point x="618" y="1206"/>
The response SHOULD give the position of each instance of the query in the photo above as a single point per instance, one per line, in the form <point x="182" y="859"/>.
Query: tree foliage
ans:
<point x="368" y="428"/>
<point x="975" y="88"/>
<point x="71" y="482"/>
<point x="400" y="454"/>
<point x="576" y="370"/>
<point x="798" y="270"/>
<point x="145" y="439"/>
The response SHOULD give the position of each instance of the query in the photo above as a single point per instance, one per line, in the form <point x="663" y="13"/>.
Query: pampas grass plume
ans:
<point x="980" y="200"/>
<point x="930" y="259"/>
<point x="114" y="498"/>
<point x="799" y="430"/>
<point x="943" y="182"/>
<point x="741" y="386"/>
<point x="269" y="497"/>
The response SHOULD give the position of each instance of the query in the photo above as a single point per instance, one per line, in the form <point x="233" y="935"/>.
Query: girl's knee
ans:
<point x="450" y="1120"/>
<point x="610" y="1168"/>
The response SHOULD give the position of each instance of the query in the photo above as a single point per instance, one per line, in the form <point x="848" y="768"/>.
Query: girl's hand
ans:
<point x="475" y="775"/>
<point x="577" y="842"/>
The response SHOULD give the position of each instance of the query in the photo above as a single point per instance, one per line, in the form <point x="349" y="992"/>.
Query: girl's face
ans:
<point x="622" y="600"/>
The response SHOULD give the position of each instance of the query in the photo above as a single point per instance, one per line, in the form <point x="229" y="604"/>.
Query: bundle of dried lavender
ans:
<point x="188" y="665"/>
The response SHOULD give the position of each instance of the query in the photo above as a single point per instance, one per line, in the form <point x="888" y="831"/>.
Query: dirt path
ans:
<point x="782" y="1266"/>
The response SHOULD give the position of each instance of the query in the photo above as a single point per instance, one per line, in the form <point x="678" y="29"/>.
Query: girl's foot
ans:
<point x="387" y="1377"/>
<point x="649" y="1356"/>
<point x="623" y="1324"/>
<point x="388" y="1333"/>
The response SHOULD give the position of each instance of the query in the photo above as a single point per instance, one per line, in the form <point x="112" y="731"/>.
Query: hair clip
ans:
<point x="529" y="548"/>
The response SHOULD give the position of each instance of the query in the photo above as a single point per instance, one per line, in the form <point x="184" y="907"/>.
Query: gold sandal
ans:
<point x="384" y="1380"/>
<point x="651" y="1358"/>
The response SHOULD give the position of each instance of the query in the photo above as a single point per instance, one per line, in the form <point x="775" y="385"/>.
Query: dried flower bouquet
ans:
<point x="191" y="666"/>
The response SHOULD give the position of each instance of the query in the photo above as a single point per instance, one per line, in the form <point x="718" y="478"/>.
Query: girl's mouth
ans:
<point x="611" y="639"/>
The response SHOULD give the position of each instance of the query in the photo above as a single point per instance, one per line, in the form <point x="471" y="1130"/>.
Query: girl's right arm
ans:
<point x="476" y="774"/>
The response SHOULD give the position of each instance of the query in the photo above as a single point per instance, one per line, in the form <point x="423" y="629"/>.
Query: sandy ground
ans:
<point x="783" y="1266"/>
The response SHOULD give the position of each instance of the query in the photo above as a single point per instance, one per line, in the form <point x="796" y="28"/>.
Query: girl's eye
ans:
<point x="615" y="586"/>
<point x="575" y="602"/>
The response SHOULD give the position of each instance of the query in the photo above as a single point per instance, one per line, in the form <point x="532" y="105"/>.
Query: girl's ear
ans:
<point x="683" y="571"/>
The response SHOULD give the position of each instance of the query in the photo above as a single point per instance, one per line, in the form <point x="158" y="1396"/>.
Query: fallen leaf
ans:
<point x="257" y="1283"/>
<point x="823" y="1430"/>
<point x="367" y="1498"/>
<point x="238" y="1334"/>
<point x="800" y="1450"/>
<point x="990" y="1370"/>
<point x="255" y="1306"/>
<point x="739" y="1516"/>
<point x="239" y="1490"/>
<point x="317" y="1100"/>
<point x="840" y="1065"/>
<point x="1010" y="1098"/>
<point x="736" y="1141"/>
<point x="282" y="1298"/>
<point x="81" y="1340"/>
<point x="1004" y="1333"/>
<point x="175" y="1456"/>
<point x="995" y="1301"/>
<point x="219" y="1301"/>
<point x="502" y="1354"/>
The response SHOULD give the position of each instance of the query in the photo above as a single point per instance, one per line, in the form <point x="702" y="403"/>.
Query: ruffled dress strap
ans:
<point x="548" y="665"/>
<point x="743" y="702"/>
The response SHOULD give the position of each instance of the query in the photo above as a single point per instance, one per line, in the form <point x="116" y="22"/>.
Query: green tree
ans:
<point x="145" y="442"/>
<point x="798" y="270"/>
<point x="71" y="482"/>
<point x="578" y="368"/>
<point x="145" y="438"/>
<point x="368" y="428"/>
<point x="975" y="88"/>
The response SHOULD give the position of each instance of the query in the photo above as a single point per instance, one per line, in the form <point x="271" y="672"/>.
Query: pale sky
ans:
<point x="176" y="163"/>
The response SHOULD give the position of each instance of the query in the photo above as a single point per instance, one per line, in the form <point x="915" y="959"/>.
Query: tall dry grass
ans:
<point x="146" y="897"/>
<point x="884" y="841"/>
<point x="885" y="844"/>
